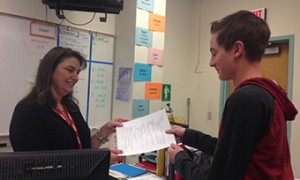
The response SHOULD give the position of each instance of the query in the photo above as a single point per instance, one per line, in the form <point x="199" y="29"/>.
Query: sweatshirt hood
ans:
<point x="278" y="93"/>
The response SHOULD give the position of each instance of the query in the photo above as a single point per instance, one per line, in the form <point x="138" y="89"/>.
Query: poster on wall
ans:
<point x="124" y="84"/>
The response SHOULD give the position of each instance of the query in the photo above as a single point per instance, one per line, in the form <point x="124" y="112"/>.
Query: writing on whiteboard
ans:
<point x="99" y="89"/>
<point x="76" y="40"/>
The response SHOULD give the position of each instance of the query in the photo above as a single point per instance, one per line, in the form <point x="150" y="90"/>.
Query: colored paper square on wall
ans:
<point x="143" y="37"/>
<point x="155" y="56"/>
<point x="153" y="90"/>
<point x="140" y="108"/>
<point x="146" y="5"/>
<point x="166" y="92"/>
<point x="142" y="72"/>
<point x="157" y="22"/>
<point x="124" y="84"/>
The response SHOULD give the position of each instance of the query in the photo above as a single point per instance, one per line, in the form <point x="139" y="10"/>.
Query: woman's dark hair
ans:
<point x="243" y="26"/>
<point x="41" y="91"/>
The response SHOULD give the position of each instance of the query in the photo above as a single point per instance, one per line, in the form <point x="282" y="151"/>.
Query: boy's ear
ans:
<point x="238" y="48"/>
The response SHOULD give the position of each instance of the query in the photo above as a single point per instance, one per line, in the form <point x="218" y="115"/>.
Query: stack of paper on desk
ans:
<point x="145" y="134"/>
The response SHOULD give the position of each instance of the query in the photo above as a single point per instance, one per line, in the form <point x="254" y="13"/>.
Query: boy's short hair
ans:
<point x="243" y="26"/>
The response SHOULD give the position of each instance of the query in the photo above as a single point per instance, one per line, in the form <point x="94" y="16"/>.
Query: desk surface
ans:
<point x="148" y="176"/>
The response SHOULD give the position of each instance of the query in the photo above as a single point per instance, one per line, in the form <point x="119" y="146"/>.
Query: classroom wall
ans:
<point x="204" y="87"/>
<point x="180" y="53"/>
<point x="37" y="10"/>
<point x="125" y="45"/>
<point x="187" y="44"/>
<point x="187" y="65"/>
<point x="128" y="53"/>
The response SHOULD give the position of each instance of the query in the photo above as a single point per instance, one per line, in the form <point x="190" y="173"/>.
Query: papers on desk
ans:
<point x="145" y="134"/>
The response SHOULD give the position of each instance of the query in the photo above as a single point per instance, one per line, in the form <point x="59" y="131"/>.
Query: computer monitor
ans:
<point x="86" y="164"/>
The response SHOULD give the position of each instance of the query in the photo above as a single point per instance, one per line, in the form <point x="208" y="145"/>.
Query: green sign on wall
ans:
<point x="166" y="92"/>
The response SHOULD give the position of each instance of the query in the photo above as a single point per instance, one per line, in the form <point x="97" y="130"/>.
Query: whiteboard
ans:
<point x="100" y="94"/>
<point x="94" y="88"/>
<point x="101" y="79"/>
<point x="75" y="39"/>
<point x="80" y="91"/>
<point x="22" y="52"/>
<point x="102" y="48"/>
<point x="20" y="56"/>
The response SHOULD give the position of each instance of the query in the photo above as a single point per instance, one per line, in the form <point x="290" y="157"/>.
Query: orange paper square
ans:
<point x="157" y="22"/>
<point x="153" y="90"/>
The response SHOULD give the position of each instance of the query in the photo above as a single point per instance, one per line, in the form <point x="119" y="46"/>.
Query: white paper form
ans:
<point x="145" y="134"/>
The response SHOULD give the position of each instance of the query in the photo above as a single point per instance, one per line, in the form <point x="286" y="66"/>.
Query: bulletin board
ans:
<point x="21" y="53"/>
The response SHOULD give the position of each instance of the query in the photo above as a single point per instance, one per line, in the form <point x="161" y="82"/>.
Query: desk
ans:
<point x="148" y="176"/>
<point x="4" y="139"/>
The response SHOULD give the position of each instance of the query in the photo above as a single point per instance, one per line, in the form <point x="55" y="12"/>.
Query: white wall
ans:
<point x="181" y="58"/>
<point x="179" y="53"/>
<point x="124" y="56"/>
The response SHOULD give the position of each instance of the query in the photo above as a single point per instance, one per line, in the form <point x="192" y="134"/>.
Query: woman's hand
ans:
<point x="114" y="155"/>
<point x="178" y="131"/>
<point x="110" y="126"/>
<point x="101" y="136"/>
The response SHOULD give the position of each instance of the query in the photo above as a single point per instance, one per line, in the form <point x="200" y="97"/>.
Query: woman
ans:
<point x="48" y="118"/>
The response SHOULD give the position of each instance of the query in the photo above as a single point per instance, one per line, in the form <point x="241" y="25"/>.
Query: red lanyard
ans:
<point x="70" y="122"/>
